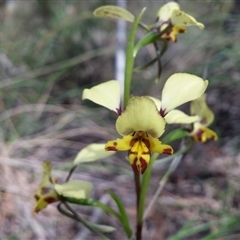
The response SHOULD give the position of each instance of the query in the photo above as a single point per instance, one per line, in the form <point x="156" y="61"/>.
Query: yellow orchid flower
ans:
<point x="143" y="121"/>
<point x="170" y="14"/>
<point x="49" y="191"/>
<point x="200" y="131"/>
<point x="141" y="126"/>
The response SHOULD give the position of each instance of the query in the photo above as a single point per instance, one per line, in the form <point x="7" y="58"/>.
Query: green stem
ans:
<point x="130" y="58"/>
<point x="143" y="192"/>
<point x="70" y="173"/>
<point x="144" y="26"/>
<point x="85" y="223"/>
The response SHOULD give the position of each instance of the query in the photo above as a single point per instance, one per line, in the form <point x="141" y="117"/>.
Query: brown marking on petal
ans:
<point x="139" y="165"/>
<point x="50" y="199"/>
<point x="145" y="153"/>
<point x="131" y="152"/>
<point x="45" y="190"/>
<point x="181" y="30"/>
<point x="36" y="197"/>
<point x="119" y="111"/>
<point x="168" y="151"/>
<point x="134" y="166"/>
<point x="198" y="135"/>
<point x="146" y="142"/>
<point x="115" y="144"/>
<point x="162" y="112"/>
<point x="111" y="148"/>
<point x="133" y="141"/>
<point x="143" y="165"/>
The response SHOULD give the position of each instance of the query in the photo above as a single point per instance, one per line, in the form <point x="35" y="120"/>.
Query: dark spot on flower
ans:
<point x="168" y="151"/>
<point x="139" y="166"/>
<point x="162" y="112"/>
<point x="45" y="190"/>
<point x="50" y="199"/>
<point x="36" y="197"/>
<point x="111" y="148"/>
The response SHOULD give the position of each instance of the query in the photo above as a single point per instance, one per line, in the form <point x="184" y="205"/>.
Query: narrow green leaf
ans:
<point x="175" y="135"/>
<point x="111" y="11"/>
<point x="94" y="203"/>
<point x="124" y="218"/>
<point x="130" y="58"/>
<point x="150" y="37"/>
<point x="139" y="69"/>
<point x="103" y="228"/>
<point x="191" y="228"/>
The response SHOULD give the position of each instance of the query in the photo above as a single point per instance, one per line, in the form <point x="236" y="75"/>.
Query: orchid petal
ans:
<point x="157" y="147"/>
<point x="92" y="153"/>
<point x="199" y="107"/>
<point x="181" y="88"/>
<point x="177" y="116"/>
<point x="165" y="12"/>
<point x="139" y="157"/>
<point x="181" y="19"/>
<point x="123" y="144"/>
<point x="45" y="193"/>
<point x="141" y="114"/>
<point x="107" y="94"/>
<point x="110" y="11"/>
<point x="201" y="133"/>
<point x="74" y="189"/>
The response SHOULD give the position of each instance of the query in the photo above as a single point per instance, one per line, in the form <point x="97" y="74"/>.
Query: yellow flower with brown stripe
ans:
<point x="140" y="125"/>
<point x="143" y="120"/>
<point x="200" y="131"/>
<point x="170" y="15"/>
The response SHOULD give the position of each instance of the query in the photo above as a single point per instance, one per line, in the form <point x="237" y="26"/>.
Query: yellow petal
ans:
<point x="181" y="88"/>
<point x="157" y="147"/>
<point x="165" y="12"/>
<point x="91" y="153"/>
<point x="141" y="114"/>
<point x="47" y="180"/>
<point x="111" y="11"/>
<point x="74" y="189"/>
<point x="173" y="32"/>
<point x="47" y="196"/>
<point x="107" y="94"/>
<point x="45" y="193"/>
<point x="177" y="116"/>
<point x="199" y="107"/>
<point x="181" y="19"/>
<point x="139" y="157"/>
<point x="203" y="134"/>
<point x="123" y="144"/>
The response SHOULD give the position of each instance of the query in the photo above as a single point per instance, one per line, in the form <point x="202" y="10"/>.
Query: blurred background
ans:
<point x="49" y="52"/>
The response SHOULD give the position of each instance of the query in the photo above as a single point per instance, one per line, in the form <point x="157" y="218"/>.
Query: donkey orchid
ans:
<point x="200" y="131"/>
<point x="170" y="14"/>
<point x="141" y="126"/>
<point x="143" y="121"/>
<point x="49" y="191"/>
